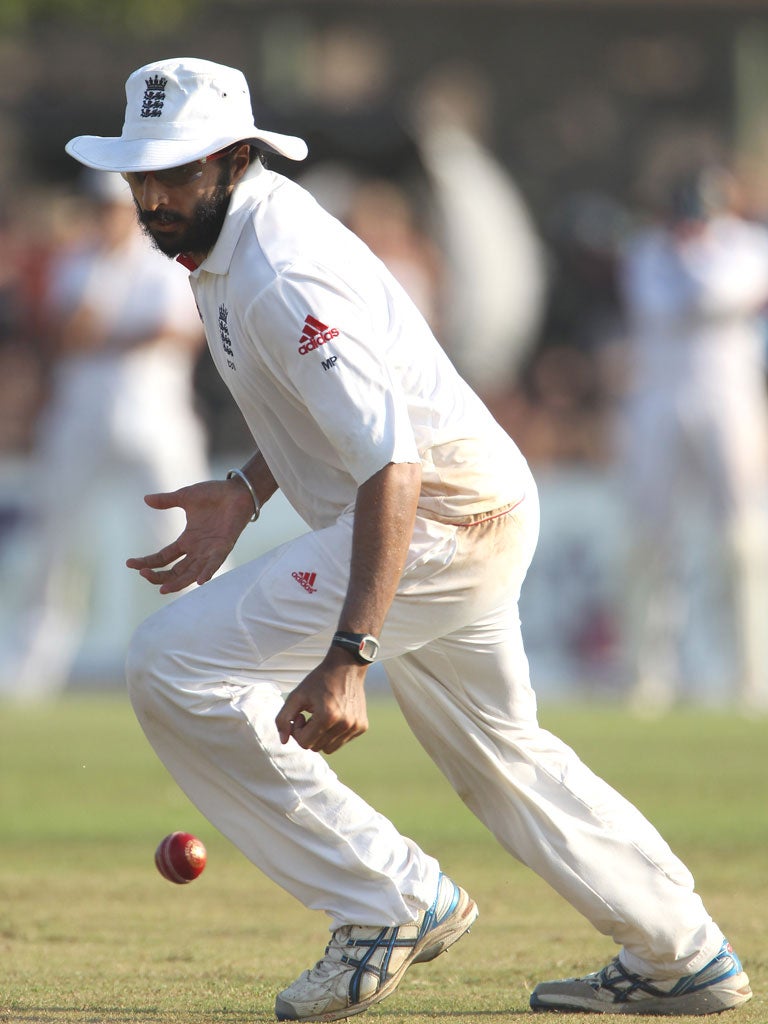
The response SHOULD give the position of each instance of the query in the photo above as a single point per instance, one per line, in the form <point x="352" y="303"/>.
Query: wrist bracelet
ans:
<point x="241" y="476"/>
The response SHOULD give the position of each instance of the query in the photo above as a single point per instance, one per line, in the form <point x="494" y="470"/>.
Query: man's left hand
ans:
<point x="327" y="709"/>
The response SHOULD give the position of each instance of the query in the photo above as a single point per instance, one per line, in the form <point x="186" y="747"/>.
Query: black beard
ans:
<point x="202" y="228"/>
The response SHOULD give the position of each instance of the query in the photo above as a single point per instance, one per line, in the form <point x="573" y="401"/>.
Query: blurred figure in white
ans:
<point x="696" y="439"/>
<point x="124" y="337"/>
<point x="495" y="276"/>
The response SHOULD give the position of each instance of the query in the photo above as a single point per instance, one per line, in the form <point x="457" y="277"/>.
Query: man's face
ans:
<point x="184" y="218"/>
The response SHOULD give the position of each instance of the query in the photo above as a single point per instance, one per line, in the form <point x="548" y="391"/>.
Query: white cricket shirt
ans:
<point x="334" y="368"/>
<point x="696" y="306"/>
<point x="130" y="291"/>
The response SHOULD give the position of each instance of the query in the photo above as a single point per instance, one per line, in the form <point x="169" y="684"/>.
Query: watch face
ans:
<point x="369" y="648"/>
<point x="362" y="645"/>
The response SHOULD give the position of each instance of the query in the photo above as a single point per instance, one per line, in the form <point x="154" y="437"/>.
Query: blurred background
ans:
<point x="501" y="156"/>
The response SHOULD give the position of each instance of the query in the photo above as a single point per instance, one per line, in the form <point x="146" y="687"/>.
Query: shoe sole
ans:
<point x="435" y="942"/>
<point x="716" y="999"/>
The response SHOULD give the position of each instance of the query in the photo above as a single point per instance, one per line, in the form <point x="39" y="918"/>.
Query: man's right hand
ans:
<point x="217" y="512"/>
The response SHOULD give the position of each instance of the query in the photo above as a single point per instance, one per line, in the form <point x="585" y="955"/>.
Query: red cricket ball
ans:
<point x="180" y="857"/>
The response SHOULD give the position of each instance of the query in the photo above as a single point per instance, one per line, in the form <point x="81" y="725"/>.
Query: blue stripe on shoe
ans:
<point x="695" y="982"/>
<point x="430" y="917"/>
<point x="362" y="964"/>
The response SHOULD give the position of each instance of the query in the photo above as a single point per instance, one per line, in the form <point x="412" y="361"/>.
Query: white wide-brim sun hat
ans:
<point x="177" y="111"/>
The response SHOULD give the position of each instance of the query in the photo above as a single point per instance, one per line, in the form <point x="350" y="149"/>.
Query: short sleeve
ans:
<point x="329" y="348"/>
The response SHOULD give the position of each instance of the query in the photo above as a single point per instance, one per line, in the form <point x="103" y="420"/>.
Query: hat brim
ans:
<point x="119" y="154"/>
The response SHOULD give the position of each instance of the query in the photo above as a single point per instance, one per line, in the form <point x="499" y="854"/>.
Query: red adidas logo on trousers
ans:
<point x="315" y="334"/>
<point x="307" y="580"/>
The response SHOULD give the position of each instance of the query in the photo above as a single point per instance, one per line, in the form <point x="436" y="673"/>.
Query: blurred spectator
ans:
<point x="495" y="281"/>
<point x="559" y="410"/>
<point x="561" y="407"/>
<point x="696" y="430"/>
<point x="21" y="377"/>
<point x="381" y="214"/>
<point x="21" y="388"/>
<point x="431" y="200"/>
<point x="123" y="334"/>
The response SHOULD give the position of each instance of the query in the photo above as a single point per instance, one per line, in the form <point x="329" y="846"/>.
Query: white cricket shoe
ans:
<point x="719" y="985"/>
<point x="363" y="965"/>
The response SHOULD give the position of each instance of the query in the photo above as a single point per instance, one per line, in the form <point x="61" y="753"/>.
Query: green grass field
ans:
<point x="89" y="932"/>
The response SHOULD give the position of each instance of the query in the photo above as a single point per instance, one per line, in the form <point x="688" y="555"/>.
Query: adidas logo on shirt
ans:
<point x="315" y="334"/>
<point x="306" y="579"/>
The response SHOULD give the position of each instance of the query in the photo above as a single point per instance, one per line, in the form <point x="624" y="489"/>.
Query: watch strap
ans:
<point x="356" y="643"/>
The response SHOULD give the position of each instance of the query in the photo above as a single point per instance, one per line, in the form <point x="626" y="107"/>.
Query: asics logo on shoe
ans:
<point x="307" y="580"/>
<point x="315" y="334"/>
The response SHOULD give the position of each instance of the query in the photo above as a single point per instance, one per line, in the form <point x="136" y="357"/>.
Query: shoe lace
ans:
<point x="333" y="957"/>
<point x="358" y="952"/>
<point x="623" y="984"/>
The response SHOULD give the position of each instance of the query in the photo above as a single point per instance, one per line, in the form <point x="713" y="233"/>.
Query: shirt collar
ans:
<point x="253" y="186"/>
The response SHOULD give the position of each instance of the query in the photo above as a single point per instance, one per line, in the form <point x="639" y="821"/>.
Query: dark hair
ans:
<point x="700" y="195"/>
<point x="255" y="154"/>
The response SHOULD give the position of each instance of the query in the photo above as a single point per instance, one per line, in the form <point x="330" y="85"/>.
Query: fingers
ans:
<point x="295" y="719"/>
<point x="188" y="568"/>
<point x="328" y="741"/>
<point x="322" y="738"/>
<point x="313" y="731"/>
<point x="309" y="736"/>
<point x="170" y="553"/>
<point x="170" y="581"/>
<point x="163" y="500"/>
<point x="334" y="744"/>
<point x="209" y="567"/>
<point x="287" y="718"/>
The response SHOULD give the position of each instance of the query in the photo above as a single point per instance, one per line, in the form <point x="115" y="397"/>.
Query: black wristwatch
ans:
<point x="363" y="646"/>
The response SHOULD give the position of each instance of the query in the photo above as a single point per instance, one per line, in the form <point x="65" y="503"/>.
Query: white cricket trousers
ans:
<point x="208" y="674"/>
<point x="130" y="413"/>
